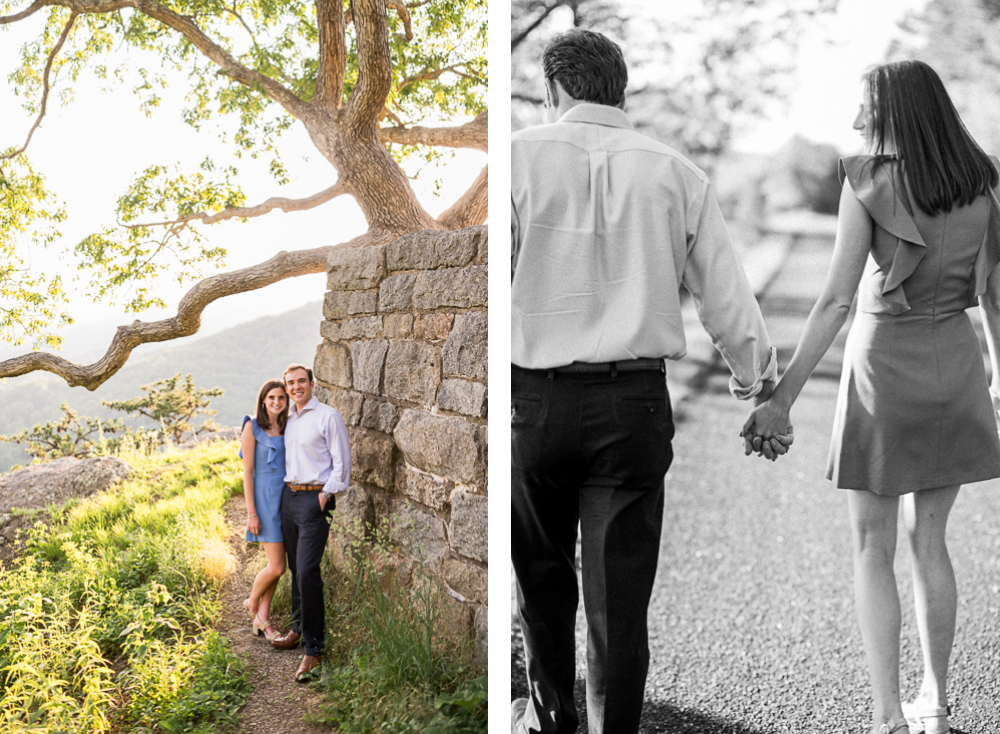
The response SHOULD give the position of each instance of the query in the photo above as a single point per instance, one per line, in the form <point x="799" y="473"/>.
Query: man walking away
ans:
<point x="606" y="225"/>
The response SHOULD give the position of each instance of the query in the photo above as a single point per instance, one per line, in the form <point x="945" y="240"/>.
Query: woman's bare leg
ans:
<point x="873" y="522"/>
<point x="267" y="580"/>
<point x="925" y="515"/>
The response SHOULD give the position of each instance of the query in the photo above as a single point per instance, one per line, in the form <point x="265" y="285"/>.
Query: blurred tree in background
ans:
<point x="70" y="436"/>
<point x="697" y="78"/>
<point x="960" y="39"/>
<point x="172" y="404"/>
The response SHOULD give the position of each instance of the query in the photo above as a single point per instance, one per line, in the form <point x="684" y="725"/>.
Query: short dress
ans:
<point x="914" y="410"/>
<point x="268" y="482"/>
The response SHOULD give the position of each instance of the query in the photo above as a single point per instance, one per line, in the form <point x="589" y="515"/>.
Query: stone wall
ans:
<point x="403" y="359"/>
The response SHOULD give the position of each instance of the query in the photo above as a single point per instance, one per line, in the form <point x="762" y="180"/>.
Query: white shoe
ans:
<point x="930" y="719"/>
<point x="517" y="707"/>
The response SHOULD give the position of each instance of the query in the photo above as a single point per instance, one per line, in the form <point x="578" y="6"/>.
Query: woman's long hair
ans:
<point x="908" y="105"/>
<point x="263" y="419"/>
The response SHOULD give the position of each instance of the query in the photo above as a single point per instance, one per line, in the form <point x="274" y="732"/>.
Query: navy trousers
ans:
<point x="589" y="451"/>
<point x="306" y="530"/>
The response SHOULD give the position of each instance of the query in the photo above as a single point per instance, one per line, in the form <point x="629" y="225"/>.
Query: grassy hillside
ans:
<point x="238" y="360"/>
<point x="107" y="618"/>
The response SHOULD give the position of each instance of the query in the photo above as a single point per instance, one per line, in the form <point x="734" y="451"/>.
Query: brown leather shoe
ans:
<point x="288" y="641"/>
<point x="308" y="665"/>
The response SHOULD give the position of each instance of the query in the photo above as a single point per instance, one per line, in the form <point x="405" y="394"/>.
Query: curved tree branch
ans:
<point x="186" y="322"/>
<point x="249" y="212"/>
<point x="471" y="208"/>
<point x="374" y="69"/>
<point x="519" y="37"/>
<point x="186" y="26"/>
<point x="473" y="135"/>
<point x="433" y="74"/>
<point x="404" y="15"/>
<point x="45" y="87"/>
<point x="402" y="8"/>
<point x="27" y="12"/>
<point x="230" y="66"/>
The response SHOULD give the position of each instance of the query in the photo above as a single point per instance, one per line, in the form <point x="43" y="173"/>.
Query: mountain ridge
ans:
<point x="238" y="359"/>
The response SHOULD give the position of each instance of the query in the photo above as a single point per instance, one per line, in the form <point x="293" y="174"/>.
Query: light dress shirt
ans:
<point x="316" y="447"/>
<point x="606" y="225"/>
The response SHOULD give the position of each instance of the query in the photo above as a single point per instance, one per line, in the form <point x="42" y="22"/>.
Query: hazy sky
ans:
<point x="832" y="56"/>
<point x="91" y="150"/>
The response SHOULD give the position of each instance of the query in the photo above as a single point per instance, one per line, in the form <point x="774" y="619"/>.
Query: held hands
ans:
<point x="768" y="430"/>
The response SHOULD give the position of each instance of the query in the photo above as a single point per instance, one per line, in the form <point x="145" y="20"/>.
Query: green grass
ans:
<point x="106" y="618"/>
<point x="391" y="665"/>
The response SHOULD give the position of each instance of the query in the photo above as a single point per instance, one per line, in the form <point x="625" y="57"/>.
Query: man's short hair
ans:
<point x="588" y="65"/>
<point x="293" y="367"/>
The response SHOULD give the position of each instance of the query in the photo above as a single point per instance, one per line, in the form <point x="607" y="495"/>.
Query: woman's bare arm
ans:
<point x="854" y="236"/>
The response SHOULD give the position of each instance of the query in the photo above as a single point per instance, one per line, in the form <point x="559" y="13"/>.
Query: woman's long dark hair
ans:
<point x="908" y="104"/>
<point x="263" y="419"/>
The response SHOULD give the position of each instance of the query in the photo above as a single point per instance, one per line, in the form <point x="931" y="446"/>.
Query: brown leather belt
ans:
<point x="305" y="487"/>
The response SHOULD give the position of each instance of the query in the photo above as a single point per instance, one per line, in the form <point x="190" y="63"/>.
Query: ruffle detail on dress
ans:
<point x="272" y="457"/>
<point x="878" y="195"/>
<point x="989" y="253"/>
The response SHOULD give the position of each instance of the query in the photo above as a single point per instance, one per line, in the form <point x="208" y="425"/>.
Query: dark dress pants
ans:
<point x="590" y="451"/>
<point x="306" y="529"/>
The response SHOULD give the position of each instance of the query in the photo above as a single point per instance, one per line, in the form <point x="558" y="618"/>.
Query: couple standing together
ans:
<point x="295" y="460"/>
<point x="606" y="225"/>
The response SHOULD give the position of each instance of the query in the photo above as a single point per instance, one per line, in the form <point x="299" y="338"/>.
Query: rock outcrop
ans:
<point x="53" y="482"/>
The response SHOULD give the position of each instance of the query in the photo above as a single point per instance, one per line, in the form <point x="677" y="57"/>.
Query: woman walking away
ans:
<point x="919" y="229"/>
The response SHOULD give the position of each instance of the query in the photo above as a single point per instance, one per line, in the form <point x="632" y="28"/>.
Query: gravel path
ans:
<point x="277" y="704"/>
<point x="752" y="619"/>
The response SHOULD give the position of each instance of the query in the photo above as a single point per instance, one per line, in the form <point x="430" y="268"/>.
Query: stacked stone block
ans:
<point x="404" y="361"/>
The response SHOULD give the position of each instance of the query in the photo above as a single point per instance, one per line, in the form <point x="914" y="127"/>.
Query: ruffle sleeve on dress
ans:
<point x="989" y="253"/>
<point x="875" y="190"/>
<point x="242" y="426"/>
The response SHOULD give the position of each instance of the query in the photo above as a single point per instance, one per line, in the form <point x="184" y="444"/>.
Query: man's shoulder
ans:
<point x="624" y="139"/>
<point x="326" y="411"/>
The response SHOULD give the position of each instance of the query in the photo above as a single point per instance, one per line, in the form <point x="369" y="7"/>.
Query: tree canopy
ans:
<point x="366" y="79"/>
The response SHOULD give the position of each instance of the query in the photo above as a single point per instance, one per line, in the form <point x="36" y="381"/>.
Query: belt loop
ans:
<point x="614" y="369"/>
<point x="663" y="366"/>
<point x="551" y="375"/>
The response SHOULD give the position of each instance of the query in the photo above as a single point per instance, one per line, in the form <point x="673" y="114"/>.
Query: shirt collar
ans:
<point x="597" y="114"/>
<point x="313" y="403"/>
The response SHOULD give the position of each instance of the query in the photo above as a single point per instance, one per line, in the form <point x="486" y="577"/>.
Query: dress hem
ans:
<point x="893" y="492"/>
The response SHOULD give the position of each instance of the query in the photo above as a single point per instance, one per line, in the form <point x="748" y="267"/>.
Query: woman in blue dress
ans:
<point x="263" y="452"/>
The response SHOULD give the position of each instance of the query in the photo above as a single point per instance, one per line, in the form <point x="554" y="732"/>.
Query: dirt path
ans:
<point x="277" y="703"/>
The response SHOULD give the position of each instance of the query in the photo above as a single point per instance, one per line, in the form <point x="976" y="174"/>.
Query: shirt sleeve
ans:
<point x="340" y="455"/>
<point x="725" y="301"/>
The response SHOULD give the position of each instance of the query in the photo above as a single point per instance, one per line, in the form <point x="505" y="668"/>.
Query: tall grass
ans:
<point x="390" y="668"/>
<point x="105" y="619"/>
